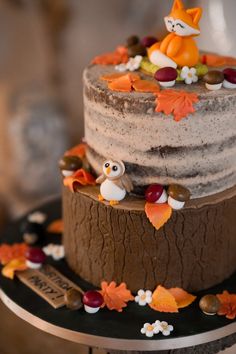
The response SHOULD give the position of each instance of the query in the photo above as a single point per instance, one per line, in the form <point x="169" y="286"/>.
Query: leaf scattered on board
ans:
<point x="115" y="297"/>
<point x="182" y="297"/>
<point x="56" y="227"/>
<point x="18" y="264"/>
<point x="178" y="103"/>
<point x="10" y="252"/>
<point x="163" y="300"/>
<point x="228" y="305"/>
<point x="158" y="214"/>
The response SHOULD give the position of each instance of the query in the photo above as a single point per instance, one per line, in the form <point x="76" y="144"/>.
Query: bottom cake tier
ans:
<point x="195" y="249"/>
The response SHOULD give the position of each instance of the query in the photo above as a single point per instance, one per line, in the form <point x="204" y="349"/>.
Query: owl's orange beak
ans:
<point x="108" y="170"/>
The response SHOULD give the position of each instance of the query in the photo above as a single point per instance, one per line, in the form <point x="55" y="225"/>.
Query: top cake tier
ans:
<point x="198" y="152"/>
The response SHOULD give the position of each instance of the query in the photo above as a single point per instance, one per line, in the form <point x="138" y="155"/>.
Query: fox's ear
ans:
<point x="195" y="13"/>
<point x="178" y="5"/>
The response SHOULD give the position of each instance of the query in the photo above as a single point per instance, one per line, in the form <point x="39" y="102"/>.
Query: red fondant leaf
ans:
<point x="10" y="252"/>
<point x="18" y="264"/>
<point x="115" y="297"/>
<point x="78" y="150"/>
<point x="79" y="178"/>
<point x="114" y="76"/>
<point x="182" y="298"/>
<point x="146" y="86"/>
<point x="179" y="103"/>
<point x="228" y="305"/>
<point x="120" y="55"/>
<point x="158" y="214"/>
<point x="163" y="300"/>
<point x="215" y="60"/>
<point x="56" y="227"/>
<point x="122" y="84"/>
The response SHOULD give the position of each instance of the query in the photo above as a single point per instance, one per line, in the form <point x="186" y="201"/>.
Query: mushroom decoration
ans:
<point x="69" y="164"/>
<point x="32" y="232"/>
<point x="213" y="80"/>
<point x="166" y="76"/>
<point x="156" y="193"/>
<point x="35" y="257"/>
<point x="177" y="196"/>
<point x="230" y="78"/>
<point x="209" y="304"/>
<point x="92" y="301"/>
<point x="73" y="299"/>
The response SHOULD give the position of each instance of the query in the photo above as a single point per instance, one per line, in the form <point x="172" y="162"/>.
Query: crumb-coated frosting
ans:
<point x="198" y="152"/>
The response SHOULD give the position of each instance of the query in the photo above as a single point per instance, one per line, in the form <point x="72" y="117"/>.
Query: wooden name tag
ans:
<point x="36" y="281"/>
<point x="58" y="279"/>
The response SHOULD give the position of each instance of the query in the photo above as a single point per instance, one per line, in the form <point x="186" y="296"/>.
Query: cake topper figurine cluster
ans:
<point x="178" y="49"/>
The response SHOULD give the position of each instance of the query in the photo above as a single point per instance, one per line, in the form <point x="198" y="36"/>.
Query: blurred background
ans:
<point x="44" y="46"/>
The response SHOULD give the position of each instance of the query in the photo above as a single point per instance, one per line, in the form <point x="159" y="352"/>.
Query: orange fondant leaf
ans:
<point x="10" y="252"/>
<point x="115" y="297"/>
<point x="114" y="76"/>
<point x="211" y="59"/>
<point x="228" y="305"/>
<point x="122" y="84"/>
<point x="182" y="298"/>
<point x="120" y="55"/>
<point x="158" y="214"/>
<point x="179" y="103"/>
<point x="78" y="150"/>
<point x="14" y="265"/>
<point x="163" y="300"/>
<point x="146" y="86"/>
<point x="56" y="227"/>
<point x="79" y="178"/>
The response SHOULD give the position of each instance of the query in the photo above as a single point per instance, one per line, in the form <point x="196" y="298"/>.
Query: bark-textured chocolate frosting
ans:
<point x="195" y="249"/>
<point x="198" y="152"/>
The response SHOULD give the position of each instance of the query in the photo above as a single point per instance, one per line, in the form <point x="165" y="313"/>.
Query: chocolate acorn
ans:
<point x="92" y="301"/>
<point x="229" y="78"/>
<point x="136" y="49"/>
<point x="177" y="196"/>
<point x="132" y="40"/>
<point x="209" y="304"/>
<point x="156" y="193"/>
<point x="73" y="299"/>
<point x="166" y="76"/>
<point x="35" y="257"/>
<point x="69" y="164"/>
<point x="213" y="80"/>
<point x="32" y="232"/>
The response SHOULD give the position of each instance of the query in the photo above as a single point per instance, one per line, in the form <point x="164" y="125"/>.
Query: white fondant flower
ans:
<point x="189" y="75"/>
<point x="143" y="297"/>
<point x="150" y="329"/>
<point x="56" y="251"/>
<point x="164" y="327"/>
<point x="132" y="65"/>
<point x="37" y="217"/>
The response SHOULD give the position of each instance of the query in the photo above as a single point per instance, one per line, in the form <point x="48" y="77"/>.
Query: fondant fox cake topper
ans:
<point x="179" y="47"/>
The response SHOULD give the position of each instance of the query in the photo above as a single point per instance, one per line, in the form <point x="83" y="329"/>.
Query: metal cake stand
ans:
<point x="193" y="332"/>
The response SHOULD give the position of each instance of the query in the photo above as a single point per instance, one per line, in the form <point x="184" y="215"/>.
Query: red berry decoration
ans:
<point x="153" y="193"/>
<point x="148" y="41"/>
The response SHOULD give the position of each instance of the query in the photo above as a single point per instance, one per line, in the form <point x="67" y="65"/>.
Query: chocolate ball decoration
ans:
<point x="166" y="76"/>
<point x="69" y="164"/>
<point x="213" y="80"/>
<point x="229" y="78"/>
<point x="209" y="304"/>
<point x="92" y="301"/>
<point x="35" y="257"/>
<point x="156" y="193"/>
<point x="73" y="299"/>
<point x="132" y="40"/>
<point x="177" y="196"/>
<point x="148" y="41"/>
<point x="136" y="49"/>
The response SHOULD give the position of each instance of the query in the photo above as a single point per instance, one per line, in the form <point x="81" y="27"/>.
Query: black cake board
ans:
<point x="194" y="331"/>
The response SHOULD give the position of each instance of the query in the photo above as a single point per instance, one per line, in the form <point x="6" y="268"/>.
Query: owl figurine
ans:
<point x="114" y="182"/>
